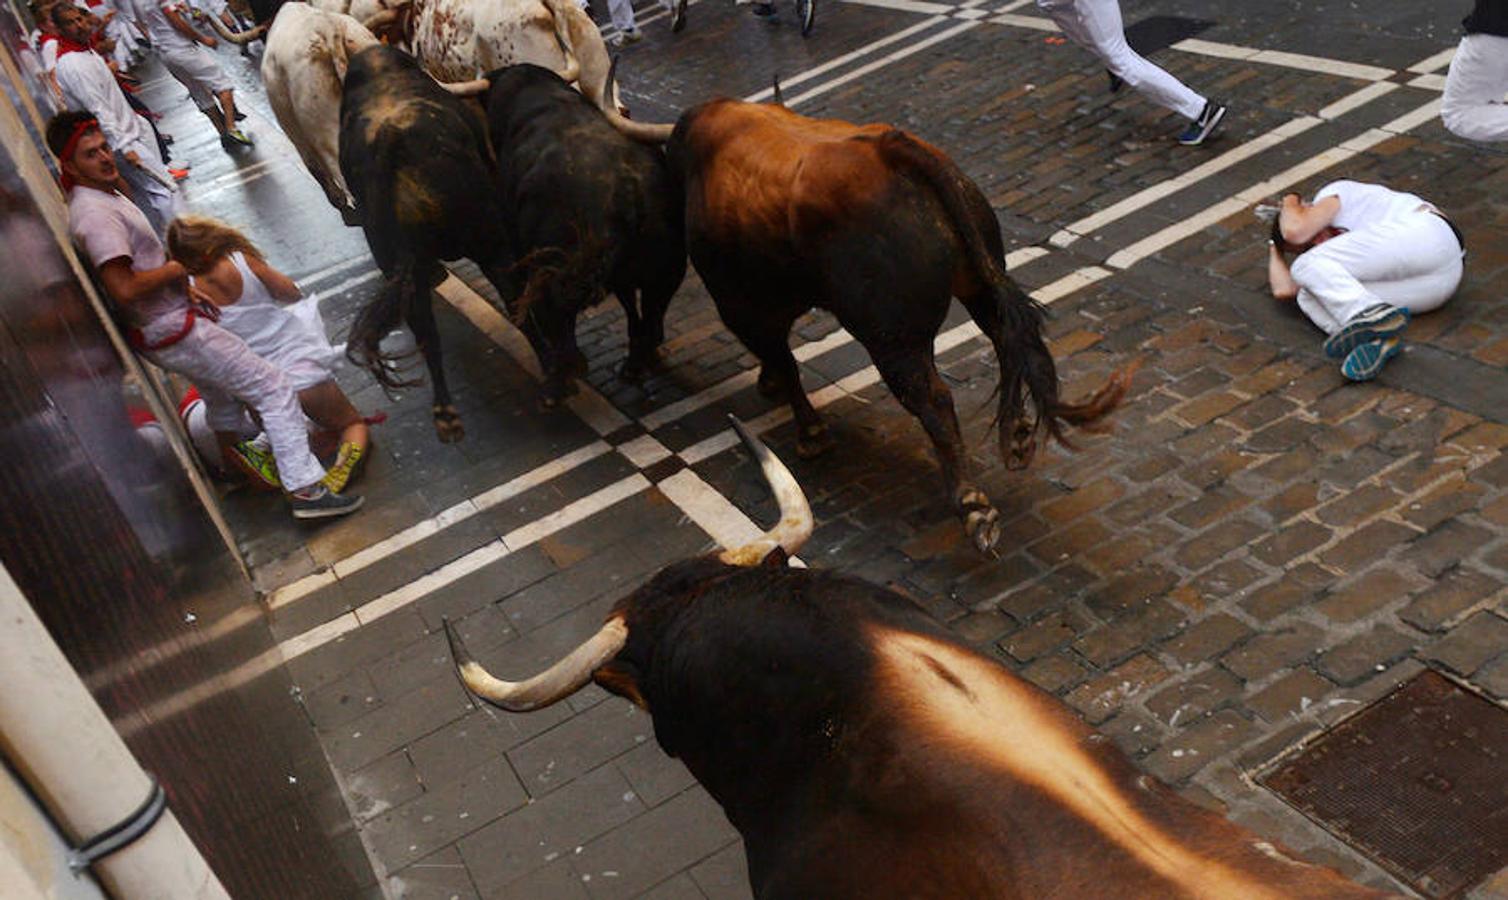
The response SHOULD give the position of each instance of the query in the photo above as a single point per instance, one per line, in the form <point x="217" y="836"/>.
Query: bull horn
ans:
<point x="795" y="524"/>
<point x="552" y="685"/>
<point x="466" y="88"/>
<point x="779" y="99"/>
<point x="639" y="131"/>
<point x="380" y="21"/>
<point x="237" y="37"/>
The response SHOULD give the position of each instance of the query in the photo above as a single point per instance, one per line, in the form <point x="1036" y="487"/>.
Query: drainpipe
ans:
<point x="60" y="743"/>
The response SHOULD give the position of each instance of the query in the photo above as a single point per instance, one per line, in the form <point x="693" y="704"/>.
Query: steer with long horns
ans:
<point x="863" y="752"/>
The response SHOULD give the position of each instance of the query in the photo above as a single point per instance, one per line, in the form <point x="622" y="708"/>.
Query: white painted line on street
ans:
<point x="711" y="511"/>
<point x="1036" y="23"/>
<point x="1156" y="192"/>
<point x="845" y="59"/>
<point x="1429" y="82"/>
<point x="1434" y="63"/>
<point x="644" y="451"/>
<point x="916" y="6"/>
<point x="1270" y="186"/>
<point x="346" y="566"/>
<point x="319" y="274"/>
<point x="883" y="61"/>
<point x="1021" y="257"/>
<point x="1305" y="62"/>
<point x="453" y="571"/>
<point x="1357" y="99"/>
<point x="354" y="281"/>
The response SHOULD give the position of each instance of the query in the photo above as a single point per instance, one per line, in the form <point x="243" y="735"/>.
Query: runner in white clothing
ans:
<point x="183" y="52"/>
<point x="1367" y="259"/>
<point x="89" y="86"/>
<point x="1096" y="26"/>
<point x="262" y="306"/>
<point x="1473" y="105"/>
<point x="154" y="298"/>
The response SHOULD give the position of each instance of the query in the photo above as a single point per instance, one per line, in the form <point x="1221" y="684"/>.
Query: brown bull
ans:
<point x="863" y="752"/>
<point x="784" y="213"/>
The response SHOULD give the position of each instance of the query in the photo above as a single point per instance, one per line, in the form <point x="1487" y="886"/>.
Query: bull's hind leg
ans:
<point x="421" y="321"/>
<point x="646" y="328"/>
<point x="911" y="375"/>
<point x="769" y="340"/>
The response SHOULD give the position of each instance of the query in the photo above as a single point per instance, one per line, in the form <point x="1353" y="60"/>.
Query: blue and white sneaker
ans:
<point x="1367" y="360"/>
<point x="1371" y="324"/>
<point x="1204" y="126"/>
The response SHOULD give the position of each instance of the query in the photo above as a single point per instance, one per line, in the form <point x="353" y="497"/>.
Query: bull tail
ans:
<point x="558" y="14"/>
<point x="561" y="279"/>
<point x="380" y="316"/>
<point x="1010" y="318"/>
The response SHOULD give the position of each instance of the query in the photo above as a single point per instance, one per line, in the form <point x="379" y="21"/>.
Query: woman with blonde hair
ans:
<point x="256" y="303"/>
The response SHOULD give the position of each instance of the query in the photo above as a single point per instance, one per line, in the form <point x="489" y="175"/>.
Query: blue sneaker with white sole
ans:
<point x="1365" y="361"/>
<point x="1372" y="324"/>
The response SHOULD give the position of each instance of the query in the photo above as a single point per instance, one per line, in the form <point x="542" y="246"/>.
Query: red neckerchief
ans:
<point x="66" y="46"/>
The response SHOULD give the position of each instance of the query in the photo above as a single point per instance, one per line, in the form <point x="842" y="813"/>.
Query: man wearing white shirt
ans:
<point x="182" y="50"/>
<point x="89" y="86"/>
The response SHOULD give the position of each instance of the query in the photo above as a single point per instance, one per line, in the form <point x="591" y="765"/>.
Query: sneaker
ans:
<point x="256" y="463"/>
<point x="236" y="135"/>
<point x="179" y="174"/>
<point x="806" y="11"/>
<point x="319" y="502"/>
<point x="624" y="38"/>
<point x="677" y="16"/>
<point x="339" y="475"/>
<point x="1204" y="126"/>
<point x="763" y="10"/>
<point x="1371" y="324"/>
<point x="1116" y="82"/>
<point x="1367" y="360"/>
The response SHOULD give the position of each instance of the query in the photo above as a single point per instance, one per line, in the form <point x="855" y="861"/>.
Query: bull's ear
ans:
<point x="776" y="559"/>
<point x="622" y="679"/>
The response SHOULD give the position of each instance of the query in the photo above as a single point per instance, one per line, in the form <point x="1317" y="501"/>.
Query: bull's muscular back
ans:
<point x="762" y="169"/>
<point x="862" y="753"/>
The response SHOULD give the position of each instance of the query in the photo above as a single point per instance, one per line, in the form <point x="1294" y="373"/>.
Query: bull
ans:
<point x="586" y="210"/>
<point x="880" y="228"/>
<point x="863" y="752"/>
<point x="415" y="159"/>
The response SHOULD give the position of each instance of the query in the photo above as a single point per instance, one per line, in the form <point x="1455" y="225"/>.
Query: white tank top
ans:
<point x="290" y="336"/>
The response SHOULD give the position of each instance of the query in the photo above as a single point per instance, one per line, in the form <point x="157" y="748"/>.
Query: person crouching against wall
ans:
<point x="1365" y="260"/>
<point x="171" y="321"/>
<point x="256" y="303"/>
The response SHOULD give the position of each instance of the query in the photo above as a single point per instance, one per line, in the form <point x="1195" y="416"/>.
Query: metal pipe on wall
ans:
<point x="61" y="744"/>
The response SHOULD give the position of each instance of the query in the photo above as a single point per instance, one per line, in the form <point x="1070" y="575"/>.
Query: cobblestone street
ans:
<point x="1254" y="549"/>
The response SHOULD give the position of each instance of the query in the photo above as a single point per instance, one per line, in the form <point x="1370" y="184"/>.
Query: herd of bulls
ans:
<point x="858" y="749"/>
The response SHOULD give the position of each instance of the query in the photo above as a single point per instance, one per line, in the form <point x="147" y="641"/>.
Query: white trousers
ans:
<point x="229" y="375"/>
<point x="1412" y="262"/>
<point x="198" y="70"/>
<point x="1473" y="107"/>
<point x="622" y="14"/>
<point x="1096" y="26"/>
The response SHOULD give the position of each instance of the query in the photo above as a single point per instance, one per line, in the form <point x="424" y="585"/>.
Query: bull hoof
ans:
<point x="448" y="427"/>
<point x="638" y="366"/>
<point x="813" y="442"/>
<point x="980" y="519"/>
<point x="1023" y="447"/>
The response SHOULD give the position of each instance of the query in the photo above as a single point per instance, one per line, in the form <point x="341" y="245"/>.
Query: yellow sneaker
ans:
<point x="338" y="475"/>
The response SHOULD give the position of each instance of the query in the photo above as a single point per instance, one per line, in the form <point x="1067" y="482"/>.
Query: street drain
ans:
<point x="1418" y="781"/>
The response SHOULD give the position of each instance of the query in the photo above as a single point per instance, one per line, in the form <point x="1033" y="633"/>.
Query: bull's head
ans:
<point x="594" y="658"/>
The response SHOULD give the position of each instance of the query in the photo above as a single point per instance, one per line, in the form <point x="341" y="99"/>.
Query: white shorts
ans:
<point x="198" y="70"/>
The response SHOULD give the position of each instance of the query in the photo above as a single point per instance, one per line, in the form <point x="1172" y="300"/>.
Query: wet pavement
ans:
<point x="1255" y="550"/>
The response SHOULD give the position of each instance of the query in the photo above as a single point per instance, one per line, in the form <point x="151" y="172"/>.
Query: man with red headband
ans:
<point x="154" y="297"/>
<point x="89" y="86"/>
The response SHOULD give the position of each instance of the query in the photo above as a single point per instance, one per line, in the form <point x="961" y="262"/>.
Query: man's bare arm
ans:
<point x="183" y="27"/>
<point x="128" y="286"/>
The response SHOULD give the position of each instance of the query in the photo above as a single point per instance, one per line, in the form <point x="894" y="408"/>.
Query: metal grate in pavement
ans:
<point x="1418" y="781"/>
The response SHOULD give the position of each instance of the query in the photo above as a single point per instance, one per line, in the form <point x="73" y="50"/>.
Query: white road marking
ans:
<point x="1357" y="99"/>
<point x="1434" y="63"/>
<point x="346" y="566"/>
<point x="883" y="61"/>
<point x="845" y="59"/>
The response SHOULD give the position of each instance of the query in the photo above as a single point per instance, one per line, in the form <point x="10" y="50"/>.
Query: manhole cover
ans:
<point x="1418" y="781"/>
<point x="1156" y="32"/>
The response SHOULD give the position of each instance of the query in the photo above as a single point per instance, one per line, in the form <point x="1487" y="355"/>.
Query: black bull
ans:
<point x="862" y="752"/>
<point x="567" y="209"/>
